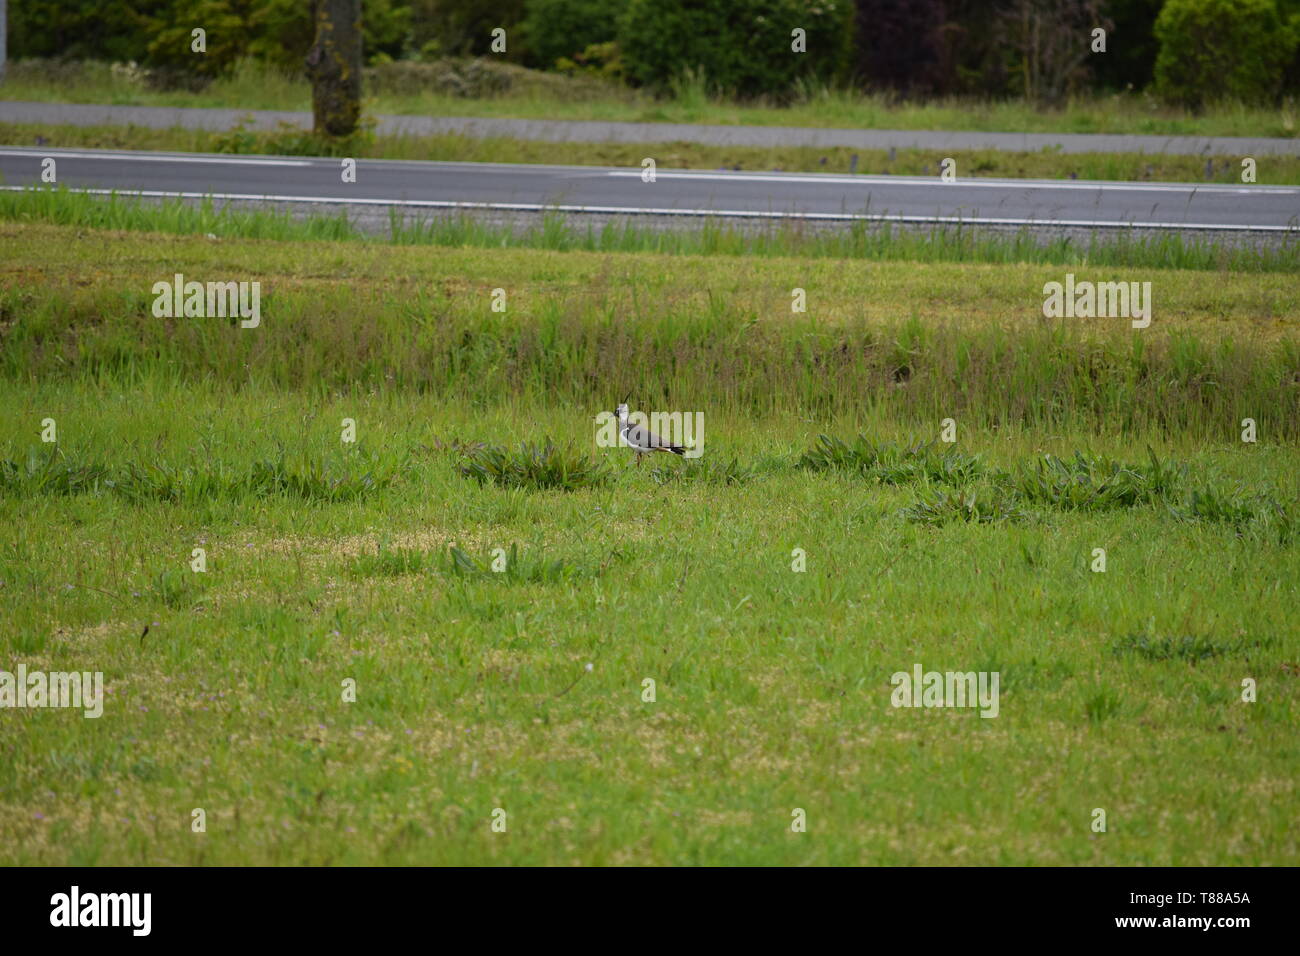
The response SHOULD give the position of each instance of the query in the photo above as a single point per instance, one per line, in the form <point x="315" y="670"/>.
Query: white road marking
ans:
<point x="155" y="157"/>
<point x="698" y="213"/>
<point x="832" y="180"/>
<point x="826" y="179"/>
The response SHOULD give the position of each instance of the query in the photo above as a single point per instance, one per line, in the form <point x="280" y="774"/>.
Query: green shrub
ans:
<point x="892" y="464"/>
<point x="279" y="31"/>
<point x="533" y="466"/>
<point x="1226" y="507"/>
<point x="1221" y="49"/>
<point x="1096" y="484"/>
<point x="556" y="29"/>
<point x="741" y="47"/>
<point x="941" y="508"/>
<point x="464" y="27"/>
<point x="81" y="29"/>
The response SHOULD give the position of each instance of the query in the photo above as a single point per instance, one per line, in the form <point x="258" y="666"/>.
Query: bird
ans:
<point x="641" y="439"/>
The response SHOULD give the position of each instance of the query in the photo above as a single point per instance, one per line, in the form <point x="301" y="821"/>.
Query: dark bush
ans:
<point x="82" y="29"/>
<point x="1131" y="48"/>
<point x="900" y="44"/>
<point x="565" y="28"/>
<point x="738" y="46"/>
<point x="464" y="27"/>
<point x="159" y="33"/>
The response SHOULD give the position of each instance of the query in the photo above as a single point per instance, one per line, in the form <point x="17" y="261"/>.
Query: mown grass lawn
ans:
<point x="524" y="690"/>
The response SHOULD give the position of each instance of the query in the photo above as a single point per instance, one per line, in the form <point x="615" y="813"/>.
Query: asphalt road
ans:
<point x="582" y="131"/>
<point x="680" y="193"/>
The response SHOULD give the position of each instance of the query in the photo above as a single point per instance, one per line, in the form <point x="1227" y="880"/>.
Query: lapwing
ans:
<point x="641" y="439"/>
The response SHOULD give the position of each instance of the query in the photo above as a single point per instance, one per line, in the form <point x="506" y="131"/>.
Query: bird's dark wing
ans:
<point x="638" y="436"/>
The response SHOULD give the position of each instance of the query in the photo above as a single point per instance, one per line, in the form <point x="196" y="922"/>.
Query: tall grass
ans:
<point x="970" y="492"/>
<point x="857" y="240"/>
<point x="67" y="208"/>
<point x="320" y="480"/>
<point x="586" y="350"/>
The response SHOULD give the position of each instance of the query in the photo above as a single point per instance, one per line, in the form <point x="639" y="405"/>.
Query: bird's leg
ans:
<point x="638" y="459"/>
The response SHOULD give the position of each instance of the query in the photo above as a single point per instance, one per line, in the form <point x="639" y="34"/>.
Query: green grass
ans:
<point x="554" y="231"/>
<point x="292" y="141"/>
<point x="585" y="327"/>
<point x="501" y="633"/>
<point x="772" y="687"/>
<point x="528" y="94"/>
<point x="534" y="467"/>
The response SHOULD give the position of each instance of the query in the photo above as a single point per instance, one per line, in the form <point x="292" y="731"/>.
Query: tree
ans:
<point x="1052" y="40"/>
<point x="334" y="67"/>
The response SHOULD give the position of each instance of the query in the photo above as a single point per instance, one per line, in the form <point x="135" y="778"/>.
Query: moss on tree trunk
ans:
<point x="334" y="67"/>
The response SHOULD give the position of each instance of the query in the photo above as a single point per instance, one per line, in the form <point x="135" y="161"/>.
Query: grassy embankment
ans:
<point x="858" y="241"/>
<point x="530" y="94"/>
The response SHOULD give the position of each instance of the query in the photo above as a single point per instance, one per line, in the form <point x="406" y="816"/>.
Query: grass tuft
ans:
<point x="313" y="480"/>
<point x="515" y="568"/>
<point x="1188" y="648"/>
<point x="533" y="466"/>
<point x="968" y="507"/>
<point x="1089" y="483"/>
<point x="708" y="471"/>
<point x="892" y="464"/>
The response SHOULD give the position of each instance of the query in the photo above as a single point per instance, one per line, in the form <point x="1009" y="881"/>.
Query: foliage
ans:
<point x="1221" y="49"/>
<point x="559" y="29"/>
<point x="968" y="507"/>
<point x="534" y="466"/>
<point x="464" y="27"/>
<point x="738" y="46"/>
<point x="891" y="463"/>
<point x="900" y="44"/>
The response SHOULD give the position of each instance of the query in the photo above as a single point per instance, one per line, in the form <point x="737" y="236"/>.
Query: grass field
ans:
<point x="293" y="141"/>
<point x="524" y="691"/>
<point x="529" y="94"/>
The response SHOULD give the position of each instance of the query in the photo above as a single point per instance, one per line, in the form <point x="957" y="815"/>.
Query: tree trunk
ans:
<point x="334" y="66"/>
<point x="2" y="41"/>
